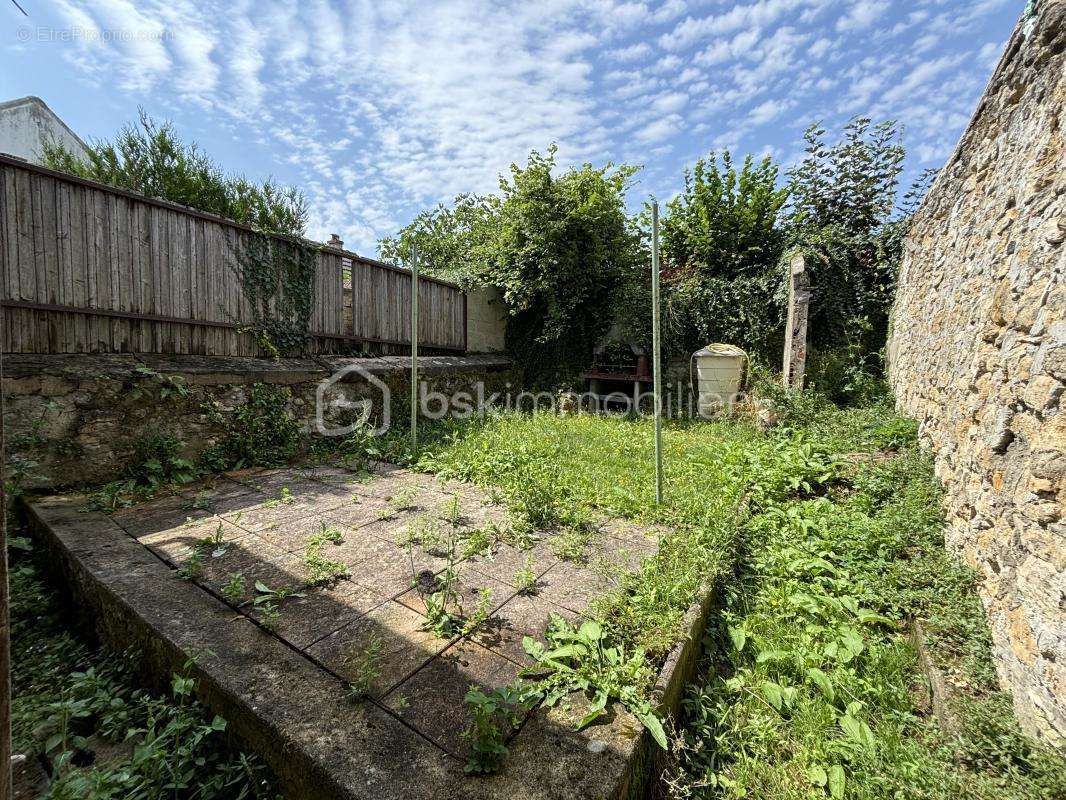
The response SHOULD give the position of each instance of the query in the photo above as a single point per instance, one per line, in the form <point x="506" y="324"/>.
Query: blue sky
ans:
<point x="380" y="109"/>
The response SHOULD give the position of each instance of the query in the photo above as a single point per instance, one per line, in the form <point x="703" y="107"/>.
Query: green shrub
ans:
<point x="150" y="159"/>
<point x="260" y="430"/>
<point x="721" y="249"/>
<point x="559" y="247"/>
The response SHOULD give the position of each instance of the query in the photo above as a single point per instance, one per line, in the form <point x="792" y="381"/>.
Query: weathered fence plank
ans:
<point x="92" y="268"/>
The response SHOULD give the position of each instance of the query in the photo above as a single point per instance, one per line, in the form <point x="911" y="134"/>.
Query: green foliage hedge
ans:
<point x="560" y="247"/>
<point x="150" y="159"/>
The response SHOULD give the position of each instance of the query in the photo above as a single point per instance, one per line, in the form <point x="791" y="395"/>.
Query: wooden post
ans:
<point x="799" y="298"/>
<point x="414" y="349"/>
<point x="657" y="377"/>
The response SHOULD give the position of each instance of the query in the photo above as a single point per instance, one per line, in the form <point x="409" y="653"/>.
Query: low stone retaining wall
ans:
<point x="978" y="356"/>
<point x="77" y="419"/>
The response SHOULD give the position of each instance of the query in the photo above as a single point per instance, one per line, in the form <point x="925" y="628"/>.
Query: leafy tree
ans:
<point x="842" y="215"/>
<point x="450" y="240"/>
<point x="559" y="247"/>
<point x="150" y="159"/>
<point x="721" y="247"/>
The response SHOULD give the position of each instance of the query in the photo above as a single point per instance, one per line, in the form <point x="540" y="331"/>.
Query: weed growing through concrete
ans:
<point x="481" y="610"/>
<point x="525" y="579"/>
<point x="367" y="668"/>
<point x="268" y="602"/>
<point x="233" y="589"/>
<point x="320" y="569"/>
<point x="193" y="567"/>
<point x="402" y="501"/>
<point x="443" y="605"/>
<point x="491" y="715"/>
<point x="583" y="659"/>
<point x="285" y="497"/>
<point x="479" y="542"/>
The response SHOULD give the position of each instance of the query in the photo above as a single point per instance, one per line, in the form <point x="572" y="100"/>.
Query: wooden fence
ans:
<point x="87" y="268"/>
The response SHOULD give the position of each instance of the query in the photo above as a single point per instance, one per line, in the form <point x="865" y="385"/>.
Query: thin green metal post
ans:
<point x="657" y="386"/>
<point x="414" y="349"/>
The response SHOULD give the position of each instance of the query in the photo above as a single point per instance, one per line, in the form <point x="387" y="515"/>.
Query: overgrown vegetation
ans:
<point x="157" y="462"/>
<point x="72" y="702"/>
<point x="560" y="247"/>
<point x="150" y="159"/>
<point x="258" y="431"/>
<point x="843" y="215"/>
<point x="570" y="261"/>
<point x="277" y="276"/>
<point x="722" y="244"/>
<point x="320" y="568"/>
<point x="812" y="688"/>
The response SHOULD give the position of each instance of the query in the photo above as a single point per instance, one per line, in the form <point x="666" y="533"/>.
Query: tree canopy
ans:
<point x="842" y="215"/>
<point x="570" y="261"/>
<point x="721" y="245"/>
<point x="558" y="246"/>
<point x="150" y="159"/>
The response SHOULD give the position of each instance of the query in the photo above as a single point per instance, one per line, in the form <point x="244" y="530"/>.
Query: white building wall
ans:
<point x="26" y="123"/>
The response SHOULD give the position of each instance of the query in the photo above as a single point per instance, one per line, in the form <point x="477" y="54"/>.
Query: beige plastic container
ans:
<point x="718" y="373"/>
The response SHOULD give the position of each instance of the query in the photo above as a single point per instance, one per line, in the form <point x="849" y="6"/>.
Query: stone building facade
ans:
<point x="978" y="355"/>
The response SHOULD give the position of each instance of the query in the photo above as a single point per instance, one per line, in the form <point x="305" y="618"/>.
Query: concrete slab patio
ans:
<point x="221" y="575"/>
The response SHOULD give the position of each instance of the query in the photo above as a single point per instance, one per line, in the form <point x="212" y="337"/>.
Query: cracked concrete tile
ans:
<point x="362" y="510"/>
<point x="403" y="642"/>
<point x="469" y="586"/>
<point x="572" y="586"/>
<point x="522" y="615"/>
<point x="507" y="560"/>
<point x="256" y="561"/>
<point x="432" y="700"/>
<point x="393" y="570"/>
<point x="300" y="501"/>
<point x="321" y="610"/>
<point x="176" y="545"/>
<point x="159" y="514"/>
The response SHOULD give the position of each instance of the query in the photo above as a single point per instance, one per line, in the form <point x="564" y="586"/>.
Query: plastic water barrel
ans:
<point x="719" y="374"/>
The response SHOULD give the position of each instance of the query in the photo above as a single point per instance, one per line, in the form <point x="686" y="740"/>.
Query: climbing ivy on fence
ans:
<point x="277" y="276"/>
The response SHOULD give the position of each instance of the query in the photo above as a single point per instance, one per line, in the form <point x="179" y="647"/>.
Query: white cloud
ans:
<point x="378" y="109"/>
<point x="820" y="47"/>
<point x="659" y="130"/>
<point x="862" y="15"/>
<point x="669" y="103"/>
<point x="768" y="111"/>
<point x="739" y="17"/>
<point x="634" y="52"/>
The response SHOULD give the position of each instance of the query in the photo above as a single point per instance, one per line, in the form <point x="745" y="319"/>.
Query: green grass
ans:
<point x="558" y="472"/>
<point x="811" y="688"/>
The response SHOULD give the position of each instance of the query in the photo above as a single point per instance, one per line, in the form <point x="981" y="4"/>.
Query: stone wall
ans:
<point x="978" y="355"/>
<point x="76" y="419"/>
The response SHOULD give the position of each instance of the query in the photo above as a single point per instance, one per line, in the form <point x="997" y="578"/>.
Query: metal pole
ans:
<point x="657" y="376"/>
<point x="414" y="349"/>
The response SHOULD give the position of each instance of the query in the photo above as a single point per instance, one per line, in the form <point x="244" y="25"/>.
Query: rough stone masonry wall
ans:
<point x="978" y="356"/>
<point x="76" y="419"/>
